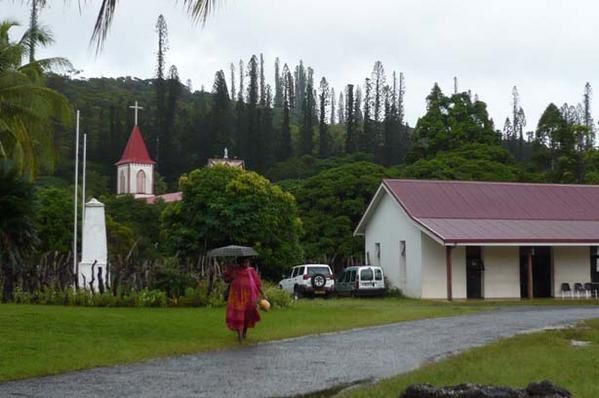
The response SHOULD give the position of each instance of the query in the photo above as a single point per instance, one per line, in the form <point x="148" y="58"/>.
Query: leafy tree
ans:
<point x="133" y="224"/>
<point x="223" y="205"/>
<point x="557" y="146"/>
<point x="471" y="162"/>
<point x="18" y="236"/>
<point x="54" y="218"/>
<point x="29" y="108"/>
<point x="450" y="123"/>
<point x="302" y="167"/>
<point x="331" y="205"/>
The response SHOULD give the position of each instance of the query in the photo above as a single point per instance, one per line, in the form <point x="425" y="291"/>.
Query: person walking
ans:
<point x="244" y="291"/>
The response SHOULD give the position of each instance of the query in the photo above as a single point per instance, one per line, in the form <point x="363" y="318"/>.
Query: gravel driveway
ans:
<point x="301" y="365"/>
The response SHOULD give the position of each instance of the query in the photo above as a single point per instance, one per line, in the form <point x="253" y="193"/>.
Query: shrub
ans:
<point x="151" y="298"/>
<point x="277" y="297"/>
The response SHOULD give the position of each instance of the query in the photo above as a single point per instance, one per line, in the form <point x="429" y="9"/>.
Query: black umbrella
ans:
<point x="232" y="251"/>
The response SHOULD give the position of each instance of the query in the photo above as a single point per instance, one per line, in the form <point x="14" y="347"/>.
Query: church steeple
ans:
<point x="135" y="169"/>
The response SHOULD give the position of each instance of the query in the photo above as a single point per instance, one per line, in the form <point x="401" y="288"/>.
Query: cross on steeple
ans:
<point x="136" y="107"/>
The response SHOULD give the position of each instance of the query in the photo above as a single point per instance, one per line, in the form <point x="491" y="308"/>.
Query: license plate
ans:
<point x="319" y="292"/>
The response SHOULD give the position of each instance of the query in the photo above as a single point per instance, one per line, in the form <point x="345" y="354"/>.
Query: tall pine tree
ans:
<point x="278" y="100"/>
<point x="323" y="99"/>
<point x="308" y="108"/>
<point x="350" y="120"/>
<point x="333" y="110"/>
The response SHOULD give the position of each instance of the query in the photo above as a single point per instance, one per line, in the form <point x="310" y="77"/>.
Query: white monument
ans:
<point x="92" y="268"/>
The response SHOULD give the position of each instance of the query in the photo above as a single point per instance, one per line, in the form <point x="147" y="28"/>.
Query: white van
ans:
<point x="363" y="280"/>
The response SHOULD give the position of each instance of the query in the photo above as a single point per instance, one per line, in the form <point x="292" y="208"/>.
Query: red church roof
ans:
<point x="462" y="212"/>
<point x="136" y="150"/>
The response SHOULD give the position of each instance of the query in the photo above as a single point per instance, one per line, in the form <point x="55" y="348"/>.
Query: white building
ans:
<point x="489" y="240"/>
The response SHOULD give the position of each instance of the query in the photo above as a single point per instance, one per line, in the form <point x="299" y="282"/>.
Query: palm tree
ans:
<point x="197" y="9"/>
<point x="27" y="107"/>
<point x="18" y="237"/>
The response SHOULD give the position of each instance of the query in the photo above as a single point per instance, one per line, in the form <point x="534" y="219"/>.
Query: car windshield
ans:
<point x="319" y="270"/>
<point x="366" y="274"/>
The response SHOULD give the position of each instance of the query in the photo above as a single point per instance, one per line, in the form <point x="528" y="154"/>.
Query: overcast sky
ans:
<point x="549" y="49"/>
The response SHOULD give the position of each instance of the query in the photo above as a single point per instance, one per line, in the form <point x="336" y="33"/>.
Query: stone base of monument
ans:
<point x="543" y="389"/>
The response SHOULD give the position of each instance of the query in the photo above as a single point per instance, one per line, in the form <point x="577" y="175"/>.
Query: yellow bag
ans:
<point x="264" y="305"/>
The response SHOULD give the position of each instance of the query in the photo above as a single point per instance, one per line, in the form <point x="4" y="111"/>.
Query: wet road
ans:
<point x="301" y="365"/>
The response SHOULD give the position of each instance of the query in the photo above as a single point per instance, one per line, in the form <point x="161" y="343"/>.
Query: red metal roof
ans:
<point x="136" y="150"/>
<point x="489" y="212"/>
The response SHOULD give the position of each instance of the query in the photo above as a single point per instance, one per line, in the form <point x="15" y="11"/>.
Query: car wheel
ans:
<point x="318" y="281"/>
<point x="297" y="293"/>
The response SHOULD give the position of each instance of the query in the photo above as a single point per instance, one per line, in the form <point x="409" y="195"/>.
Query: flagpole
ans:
<point x="75" y="202"/>
<point x="83" y="183"/>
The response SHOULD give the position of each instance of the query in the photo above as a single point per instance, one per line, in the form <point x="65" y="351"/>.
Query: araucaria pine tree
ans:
<point x="308" y="115"/>
<point x="341" y="109"/>
<point x="323" y="99"/>
<point x="350" y="120"/>
<point x="278" y="100"/>
<point x="285" y="148"/>
<point x="332" y="96"/>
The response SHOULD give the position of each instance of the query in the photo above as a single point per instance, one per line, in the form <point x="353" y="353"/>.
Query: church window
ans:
<point x="141" y="182"/>
<point x="122" y="183"/>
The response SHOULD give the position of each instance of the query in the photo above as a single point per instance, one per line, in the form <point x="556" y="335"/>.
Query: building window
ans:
<point x="377" y="251"/>
<point x="141" y="182"/>
<point x="123" y="183"/>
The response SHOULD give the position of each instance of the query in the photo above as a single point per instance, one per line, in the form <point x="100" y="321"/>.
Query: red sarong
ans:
<point x="243" y="295"/>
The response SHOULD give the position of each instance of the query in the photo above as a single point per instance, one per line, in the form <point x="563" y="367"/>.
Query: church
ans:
<point x="135" y="169"/>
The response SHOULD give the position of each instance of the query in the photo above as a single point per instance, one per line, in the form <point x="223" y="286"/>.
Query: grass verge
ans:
<point x="514" y="361"/>
<point x="42" y="340"/>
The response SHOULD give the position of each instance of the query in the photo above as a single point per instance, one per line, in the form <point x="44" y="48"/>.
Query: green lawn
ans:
<point x="40" y="340"/>
<point x="515" y="361"/>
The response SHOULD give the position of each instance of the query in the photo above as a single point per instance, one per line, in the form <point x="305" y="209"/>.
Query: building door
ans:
<point x="474" y="272"/>
<point x="594" y="265"/>
<point x="541" y="271"/>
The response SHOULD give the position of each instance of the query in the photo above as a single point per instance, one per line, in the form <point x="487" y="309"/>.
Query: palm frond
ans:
<point x="201" y="9"/>
<point x="103" y="22"/>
